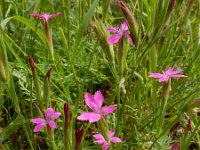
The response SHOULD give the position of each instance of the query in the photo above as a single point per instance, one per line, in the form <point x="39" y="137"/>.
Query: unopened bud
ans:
<point x="171" y="6"/>
<point x="32" y="64"/>
<point x="189" y="126"/>
<point x="79" y="136"/>
<point x="67" y="114"/>
<point x="133" y="26"/>
<point x="175" y="146"/>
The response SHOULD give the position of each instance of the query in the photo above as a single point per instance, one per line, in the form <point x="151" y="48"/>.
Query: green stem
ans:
<point x="50" y="132"/>
<point x="166" y="90"/>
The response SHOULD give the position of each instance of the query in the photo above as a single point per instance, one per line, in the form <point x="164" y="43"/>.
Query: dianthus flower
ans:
<point x="95" y="104"/>
<point x="167" y="74"/>
<point x="120" y="32"/>
<point x="50" y="116"/>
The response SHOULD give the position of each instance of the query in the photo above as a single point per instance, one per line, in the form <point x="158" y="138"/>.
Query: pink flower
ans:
<point x="95" y="103"/>
<point x="50" y="116"/>
<point x="101" y="140"/>
<point x="45" y="16"/>
<point x="120" y="32"/>
<point x="167" y="74"/>
<point x="175" y="146"/>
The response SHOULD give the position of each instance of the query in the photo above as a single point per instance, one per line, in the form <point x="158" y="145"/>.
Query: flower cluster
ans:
<point x="95" y="104"/>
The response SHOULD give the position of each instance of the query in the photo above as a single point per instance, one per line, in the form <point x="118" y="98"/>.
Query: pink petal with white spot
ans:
<point x="38" y="121"/>
<point x="105" y="146"/>
<point x="112" y="29"/>
<point x="163" y="79"/>
<point x="111" y="133"/>
<point x="39" y="127"/>
<point x="178" y="76"/>
<point x="90" y="101"/>
<point x="98" y="137"/>
<point x="99" y="99"/>
<point x="56" y="115"/>
<point x="124" y="26"/>
<point x="85" y="116"/>
<point x="49" y="112"/>
<point x="115" y="140"/>
<point x="108" y="110"/>
<point x="52" y="124"/>
<point x="94" y="117"/>
<point x="156" y="75"/>
<point x="114" y="39"/>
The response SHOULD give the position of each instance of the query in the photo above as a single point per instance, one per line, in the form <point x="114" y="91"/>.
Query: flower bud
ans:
<point x="131" y="21"/>
<point x="175" y="146"/>
<point x="171" y="6"/>
<point x="79" y="136"/>
<point x="32" y="64"/>
<point x="67" y="114"/>
<point x="35" y="79"/>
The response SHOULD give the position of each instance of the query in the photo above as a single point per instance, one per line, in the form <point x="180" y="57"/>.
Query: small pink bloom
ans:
<point x="50" y="116"/>
<point x="101" y="140"/>
<point x="46" y="16"/>
<point x="95" y="103"/>
<point x="119" y="33"/>
<point x="167" y="74"/>
<point x="175" y="146"/>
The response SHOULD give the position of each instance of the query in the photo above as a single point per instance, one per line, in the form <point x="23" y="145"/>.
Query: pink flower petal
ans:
<point x="114" y="39"/>
<point x="98" y="137"/>
<point x="124" y="26"/>
<point x="94" y="117"/>
<point x="105" y="146"/>
<point x="56" y="115"/>
<point x="38" y="121"/>
<point x="90" y="101"/>
<point x="163" y="79"/>
<point x="55" y="15"/>
<point x="112" y="29"/>
<point x="115" y="140"/>
<point x="108" y="110"/>
<point x="52" y="124"/>
<point x="129" y="38"/>
<point x="111" y="133"/>
<point x="85" y="116"/>
<point x="178" y="76"/>
<point x="99" y="99"/>
<point x="156" y="75"/>
<point x="39" y="127"/>
<point x="49" y="112"/>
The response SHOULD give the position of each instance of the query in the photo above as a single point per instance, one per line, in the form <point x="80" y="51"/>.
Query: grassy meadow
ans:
<point x="99" y="74"/>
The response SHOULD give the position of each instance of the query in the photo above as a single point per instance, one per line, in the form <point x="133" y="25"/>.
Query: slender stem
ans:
<point x="166" y="90"/>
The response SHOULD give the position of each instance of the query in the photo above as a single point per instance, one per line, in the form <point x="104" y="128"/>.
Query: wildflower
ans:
<point x="175" y="146"/>
<point x="46" y="16"/>
<point x="120" y="32"/>
<point x="167" y="74"/>
<point x="50" y="116"/>
<point x="105" y="144"/>
<point x="95" y="103"/>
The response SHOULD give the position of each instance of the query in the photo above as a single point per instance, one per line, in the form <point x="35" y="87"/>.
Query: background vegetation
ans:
<point x="167" y="35"/>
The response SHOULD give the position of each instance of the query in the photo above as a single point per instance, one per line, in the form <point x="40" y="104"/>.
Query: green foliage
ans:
<point x="168" y="34"/>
